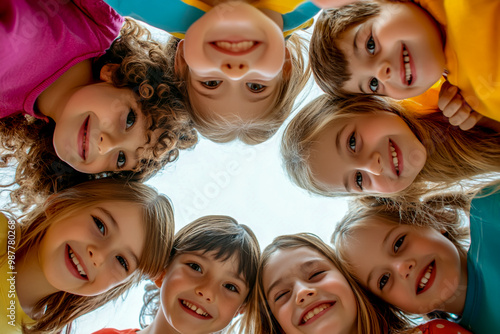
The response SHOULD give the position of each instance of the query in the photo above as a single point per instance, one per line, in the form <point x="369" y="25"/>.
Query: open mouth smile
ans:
<point x="427" y="278"/>
<point x="200" y="312"/>
<point x="235" y="48"/>
<point x="395" y="157"/>
<point x="315" y="313"/>
<point x="407" y="75"/>
<point x="83" y="139"/>
<point x="76" y="264"/>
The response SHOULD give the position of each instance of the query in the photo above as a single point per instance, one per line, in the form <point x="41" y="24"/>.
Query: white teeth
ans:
<point x="406" y="60"/>
<point x="194" y="308"/>
<point x="235" y="47"/>
<point x="395" y="159"/>
<point x="77" y="263"/>
<point x="425" y="278"/>
<point x="315" y="311"/>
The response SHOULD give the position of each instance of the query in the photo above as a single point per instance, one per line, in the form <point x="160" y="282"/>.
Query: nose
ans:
<point x="405" y="267"/>
<point x="384" y="71"/>
<point x="205" y="292"/>
<point x="106" y="143"/>
<point x="97" y="257"/>
<point x="304" y="293"/>
<point x="235" y="69"/>
<point x="373" y="164"/>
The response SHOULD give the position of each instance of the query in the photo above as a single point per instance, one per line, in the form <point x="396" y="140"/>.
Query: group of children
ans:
<point x="92" y="105"/>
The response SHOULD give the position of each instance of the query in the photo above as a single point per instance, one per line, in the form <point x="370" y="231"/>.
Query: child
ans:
<point x="371" y="144"/>
<point x="241" y="76"/>
<point x="84" y="247"/>
<point x="209" y="280"/>
<point x="401" y="48"/>
<point x="415" y="256"/>
<point x="115" y="113"/>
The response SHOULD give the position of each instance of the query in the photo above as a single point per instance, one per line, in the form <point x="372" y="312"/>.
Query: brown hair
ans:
<point x="476" y="151"/>
<point x="60" y="309"/>
<point x="369" y="319"/>
<point x="328" y="62"/>
<point x="441" y="212"/>
<point x="144" y="68"/>
<point x="226" y="238"/>
<point x="258" y="130"/>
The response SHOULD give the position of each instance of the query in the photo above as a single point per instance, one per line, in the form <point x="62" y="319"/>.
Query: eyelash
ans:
<point x="358" y="177"/>
<point x="370" y="48"/>
<point x="260" y="87"/>
<point x="280" y="295"/>
<point x="194" y="266"/>
<point x="209" y="84"/>
<point x="383" y="281"/>
<point x="100" y="225"/>
<point x="398" y="243"/>
<point x="123" y="262"/>
<point x="231" y="287"/>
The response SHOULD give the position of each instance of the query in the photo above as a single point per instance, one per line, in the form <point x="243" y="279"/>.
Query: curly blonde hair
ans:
<point x="60" y="309"/>
<point x="476" y="151"/>
<point x="370" y="319"/>
<point x="145" y="69"/>
<point x="261" y="129"/>
<point x="441" y="212"/>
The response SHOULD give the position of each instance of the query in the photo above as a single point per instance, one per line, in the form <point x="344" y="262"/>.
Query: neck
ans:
<point x="31" y="284"/>
<point x="160" y="325"/>
<point x="52" y="100"/>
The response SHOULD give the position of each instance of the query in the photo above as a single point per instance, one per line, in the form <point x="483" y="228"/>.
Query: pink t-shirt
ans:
<point x="40" y="40"/>
<point x="116" y="331"/>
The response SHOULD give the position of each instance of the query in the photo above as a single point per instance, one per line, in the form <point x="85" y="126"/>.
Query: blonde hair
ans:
<point x="328" y="62"/>
<point x="226" y="238"/>
<point x="144" y="68"/>
<point x="256" y="131"/>
<point x="476" y="151"/>
<point x="369" y="319"/>
<point x="441" y="212"/>
<point x="60" y="309"/>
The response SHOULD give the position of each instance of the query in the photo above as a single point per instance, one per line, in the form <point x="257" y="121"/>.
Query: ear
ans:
<point x="180" y="65"/>
<point x="287" y="65"/>
<point x="240" y="310"/>
<point x="159" y="280"/>
<point x="107" y="72"/>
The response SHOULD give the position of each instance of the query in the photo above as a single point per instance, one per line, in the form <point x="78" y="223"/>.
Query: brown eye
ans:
<point x="255" y="87"/>
<point x="211" y="84"/>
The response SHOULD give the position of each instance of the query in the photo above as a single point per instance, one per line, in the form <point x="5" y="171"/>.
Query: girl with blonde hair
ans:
<point x="83" y="247"/>
<point x="372" y="144"/>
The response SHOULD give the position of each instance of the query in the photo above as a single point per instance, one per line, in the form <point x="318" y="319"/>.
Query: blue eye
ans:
<point x="195" y="266"/>
<point x="358" y="178"/>
<point x="398" y="243"/>
<point x="383" y="281"/>
<point x="211" y="84"/>
<point x="100" y="225"/>
<point x="123" y="262"/>
<point x="255" y="87"/>
<point x="352" y="142"/>
<point x="131" y="116"/>
<point x="374" y="85"/>
<point x="120" y="162"/>
<point x="370" y="45"/>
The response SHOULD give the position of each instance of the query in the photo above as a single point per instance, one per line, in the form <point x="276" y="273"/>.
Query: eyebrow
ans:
<point x="117" y="227"/>
<point x="383" y="243"/>
<point x="339" y="147"/>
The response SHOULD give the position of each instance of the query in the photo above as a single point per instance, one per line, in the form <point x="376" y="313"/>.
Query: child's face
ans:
<point x="102" y="128"/>
<point x="413" y="268"/>
<point x="373" y="153"/>
<point x="307" y="294"/>
<point x="399" y="53"/>
<point x="200" y="294"/>
<point x="235" y="54"/>
<point x="94" y="249"/>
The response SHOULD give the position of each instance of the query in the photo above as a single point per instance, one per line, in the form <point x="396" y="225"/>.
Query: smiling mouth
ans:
<point x="76" y="263"/>
<point x="194" y="308"/>
<point x="425" y="278"/>
<point x="235" y="48"/>
<point x="84" y="139"/>
<point x="407" y="66"/>
<point x="317" y="310"/>
<point x="395" y="159"/>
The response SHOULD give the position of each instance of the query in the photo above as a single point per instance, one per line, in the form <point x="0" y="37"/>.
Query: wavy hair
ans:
<point x="370" y="320"/>
<point x="476" y="151"/>
<point x="257" y="130"/>
<point x="145" y="69"/>
<point x="226" y="238"/>
<point x="60" y="309"/>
